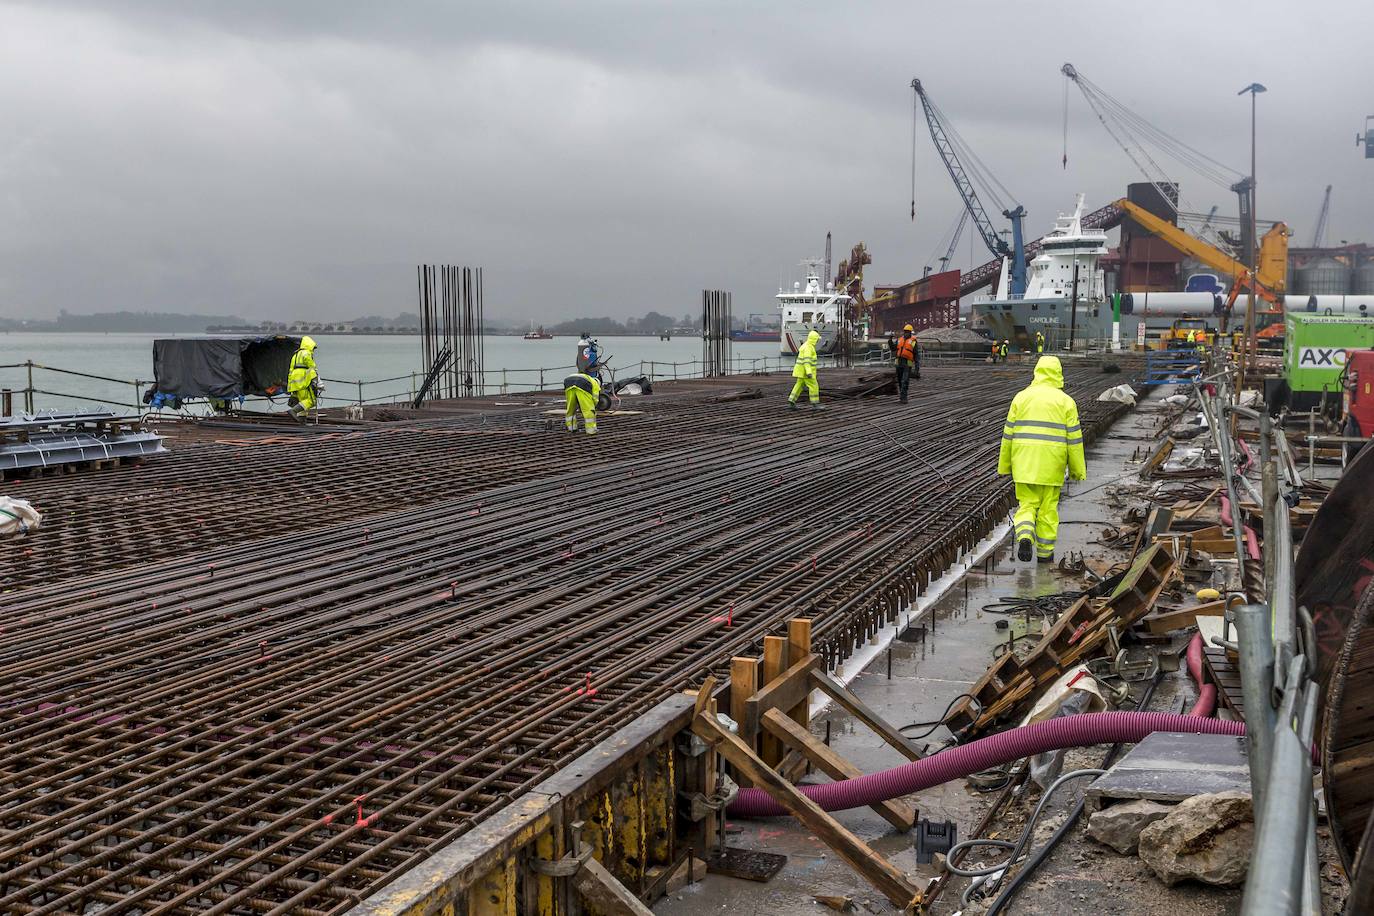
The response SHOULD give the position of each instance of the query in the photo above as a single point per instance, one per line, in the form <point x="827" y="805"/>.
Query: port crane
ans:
<point x="1136" y="135"/>
<point x="948" y="144"/>
<point x="1271" y="271"/>
<point x="1319" y="234"/>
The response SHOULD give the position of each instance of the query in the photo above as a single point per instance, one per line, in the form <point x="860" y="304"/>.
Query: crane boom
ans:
<point x="1319" y="236"/>
<point x="964" y="184"/>
<point x="1273" y="257"/>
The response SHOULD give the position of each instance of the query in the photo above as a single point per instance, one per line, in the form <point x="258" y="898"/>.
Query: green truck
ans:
<point x="1314" y="348"/>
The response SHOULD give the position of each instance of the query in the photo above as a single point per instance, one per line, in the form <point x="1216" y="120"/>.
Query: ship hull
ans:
<point x="794" y="335"/>
<point x="754" y="336"/>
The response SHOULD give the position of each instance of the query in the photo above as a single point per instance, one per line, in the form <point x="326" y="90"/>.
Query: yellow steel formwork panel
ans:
<point x="494" y="892"/>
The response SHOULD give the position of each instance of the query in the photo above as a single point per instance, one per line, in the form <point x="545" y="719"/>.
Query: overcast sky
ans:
<point x="297" y="158"/>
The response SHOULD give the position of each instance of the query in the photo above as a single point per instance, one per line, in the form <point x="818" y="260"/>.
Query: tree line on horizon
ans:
<point x="651" y="322"/>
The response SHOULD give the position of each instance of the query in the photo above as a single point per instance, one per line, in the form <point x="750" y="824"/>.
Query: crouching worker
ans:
<point x="303" y="381"/>
<point x="1040" y="442"/>
<point x="582" y="390"/>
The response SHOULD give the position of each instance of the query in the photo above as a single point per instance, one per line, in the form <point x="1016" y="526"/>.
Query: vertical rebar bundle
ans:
<point x="451" y="328"/>
<point x="717" y="313"/>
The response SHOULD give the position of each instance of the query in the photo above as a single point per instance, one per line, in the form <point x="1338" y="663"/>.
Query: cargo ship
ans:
<point x="756" y="332"/>
<point x="537" y="334"/>
<point x="811" y="308"/>
<point x="1069" y="255"/>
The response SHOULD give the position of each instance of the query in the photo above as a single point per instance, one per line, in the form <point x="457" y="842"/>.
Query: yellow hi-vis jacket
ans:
<point x="1042" y="437"/>
<point x="303" y="372"/>
<point x="806" y="357"/>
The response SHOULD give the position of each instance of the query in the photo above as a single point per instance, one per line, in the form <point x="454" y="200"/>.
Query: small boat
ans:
<point x="537" y="333"/>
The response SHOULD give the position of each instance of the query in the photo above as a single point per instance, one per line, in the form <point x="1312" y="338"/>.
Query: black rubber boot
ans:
<point x="791" y="405"/>
<point x="1025" y="550"/>
<point x="1049" y="559"/>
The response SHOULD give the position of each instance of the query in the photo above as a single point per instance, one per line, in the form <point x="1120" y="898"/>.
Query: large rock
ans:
<point x="1119" y="826"/>
<point x="1207" y="838"/>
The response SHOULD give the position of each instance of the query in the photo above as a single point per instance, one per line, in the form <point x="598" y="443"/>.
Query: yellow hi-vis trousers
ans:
<point x="579" y="400"/>
<point x="1037" y="516"/>
<point x="812" y="387"/>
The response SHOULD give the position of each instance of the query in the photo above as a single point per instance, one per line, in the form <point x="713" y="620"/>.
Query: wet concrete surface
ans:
<point x="1080" y="876"/>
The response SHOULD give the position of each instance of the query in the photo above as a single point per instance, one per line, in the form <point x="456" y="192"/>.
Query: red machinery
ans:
<point x="1359" y="393"/>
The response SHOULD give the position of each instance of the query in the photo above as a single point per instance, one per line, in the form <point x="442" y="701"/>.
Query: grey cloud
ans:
<point x="299" y="158"/>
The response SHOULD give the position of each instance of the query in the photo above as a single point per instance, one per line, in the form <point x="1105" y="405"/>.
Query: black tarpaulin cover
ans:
<point x="222" y="367"/>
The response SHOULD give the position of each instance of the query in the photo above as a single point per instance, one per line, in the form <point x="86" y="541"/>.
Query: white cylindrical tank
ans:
<point x="1197" y="305"/>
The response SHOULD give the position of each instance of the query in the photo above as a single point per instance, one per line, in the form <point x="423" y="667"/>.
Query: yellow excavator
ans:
<point x="1271" y="271"/>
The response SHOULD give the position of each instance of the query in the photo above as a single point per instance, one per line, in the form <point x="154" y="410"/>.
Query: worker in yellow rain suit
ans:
<point x="1041" y="440"/>
<point x="303" y="381"/>
<point x="1039" y="343"/>
<point x="582" y="390"/>
<point x="804" y="371"/>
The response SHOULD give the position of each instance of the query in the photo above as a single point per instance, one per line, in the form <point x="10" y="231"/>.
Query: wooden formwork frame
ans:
<point x="621" y="798"/>
<point x="605" y="834"/>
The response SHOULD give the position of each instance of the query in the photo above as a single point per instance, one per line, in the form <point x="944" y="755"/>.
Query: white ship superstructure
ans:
<point x="811" y="307"/>
<point x="1068" y="253"/>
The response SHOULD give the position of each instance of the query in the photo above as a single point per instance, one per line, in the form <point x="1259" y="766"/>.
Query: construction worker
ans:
<point x="996" y="348"/>
<point x="1003" y="349"/>
<point x="303" y="381"/>
<point x="908" y="356"/>
<point x="804" y="371"/>
<point x="1039" y="343"/>
<point x="582" y="391"/>
<point x="1200" y="345"/>
<point x="1040" y="442"/>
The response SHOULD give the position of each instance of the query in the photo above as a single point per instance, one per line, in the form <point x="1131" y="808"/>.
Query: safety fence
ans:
<point x="29" y="386"/>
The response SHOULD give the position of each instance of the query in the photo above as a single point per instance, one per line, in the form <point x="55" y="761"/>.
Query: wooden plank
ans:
<point x="744" y="683"/>
<point x="898" y="814"/>
<point x="882" y="874"/>
<point x="799" y="647"/>
<point x="605" y="894"/>
<point x="793" y="765"/>
<point x="859" y="710"/>
<point x="788" y="689"/>
<point x="1162" y="622"/>
<point x="774" y="663"/>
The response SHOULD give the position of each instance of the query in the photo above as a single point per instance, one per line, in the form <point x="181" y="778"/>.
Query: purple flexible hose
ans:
<point x="1082" y="730"/>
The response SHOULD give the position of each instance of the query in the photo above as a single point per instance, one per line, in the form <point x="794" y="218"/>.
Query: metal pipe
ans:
<point x="1256" y="651"/>
<point x="1275" y="883"/>
<point x="1220" y="439"/>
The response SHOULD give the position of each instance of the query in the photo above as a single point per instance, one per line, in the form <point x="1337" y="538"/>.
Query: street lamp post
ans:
<point x="1254" y="89"/>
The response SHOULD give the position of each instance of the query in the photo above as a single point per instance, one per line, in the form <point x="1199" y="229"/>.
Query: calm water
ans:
<point x="129" y="357"/>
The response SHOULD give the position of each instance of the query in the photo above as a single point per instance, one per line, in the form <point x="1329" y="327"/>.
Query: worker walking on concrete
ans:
<point x="1040" y="442"/>
<point x="303" y="381"/>
<point x="583" y="391"/>
<point x="804" y="371"/>
<point x="1039" y="343"/>
<point x="908" y="356"/>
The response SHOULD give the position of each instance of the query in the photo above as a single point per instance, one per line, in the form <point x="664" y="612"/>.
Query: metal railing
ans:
<point x="25" y="390"/>
<point x="1276" y="645"/>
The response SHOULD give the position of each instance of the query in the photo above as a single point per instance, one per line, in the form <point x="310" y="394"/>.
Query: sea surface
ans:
<point x="125" y="364"/>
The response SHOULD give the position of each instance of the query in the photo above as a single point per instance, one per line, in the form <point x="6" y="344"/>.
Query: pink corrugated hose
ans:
<point x="1082" y="730"/>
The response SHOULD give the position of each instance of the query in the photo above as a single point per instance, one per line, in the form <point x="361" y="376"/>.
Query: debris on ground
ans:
<point x="1206" y="838"/>
<point x="1120" y="825"/>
